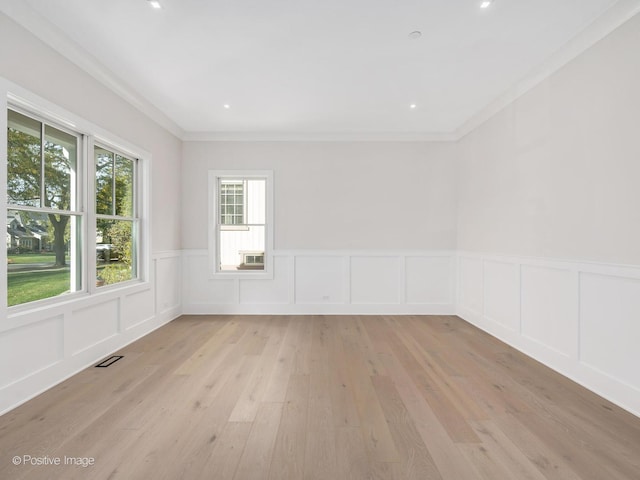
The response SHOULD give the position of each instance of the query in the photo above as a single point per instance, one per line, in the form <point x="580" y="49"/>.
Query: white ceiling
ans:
<point x="323" y="66"/>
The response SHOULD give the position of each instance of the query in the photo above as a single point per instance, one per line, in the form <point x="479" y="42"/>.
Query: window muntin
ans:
<point x="241" y="234"/>
<point x="232" y="202"/>
<point x="116" y="219"/>
<point x="44" y="218"/>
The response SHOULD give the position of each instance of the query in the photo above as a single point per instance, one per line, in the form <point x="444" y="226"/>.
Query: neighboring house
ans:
<point x="33" y="236"/>
<point x="242" y="219"/>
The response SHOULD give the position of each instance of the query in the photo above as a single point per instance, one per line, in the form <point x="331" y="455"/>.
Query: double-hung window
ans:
<point x="116" y="217"/>
<point x="44" y="209"/>
<point x="241" y="223"/>
<point x="57" y="242"/>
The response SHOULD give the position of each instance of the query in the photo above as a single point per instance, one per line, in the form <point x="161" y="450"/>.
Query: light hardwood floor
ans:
<point x="324" y="398"/>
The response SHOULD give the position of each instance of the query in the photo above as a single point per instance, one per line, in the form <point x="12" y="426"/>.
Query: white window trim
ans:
<point x="214" y="273"/>
<point x="12" y="95"/>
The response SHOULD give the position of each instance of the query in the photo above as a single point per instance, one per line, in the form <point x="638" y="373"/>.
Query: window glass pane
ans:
<point x="241" y="231"/>
<point x="43" y="256"/>
<point x="124" y="186"/>
<point x="115" y="251"/>
<point x="104" y="181"/>
<point x="256" y="201"/>
<point x="231" y="202"/>
<point x="237" y="245"/>
<point x="59" y="171"/>
<point x="24" y="166"/>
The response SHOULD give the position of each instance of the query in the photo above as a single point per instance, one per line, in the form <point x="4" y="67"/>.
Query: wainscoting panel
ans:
<point x="168" y="270"/>
<point x="471" y="284"/>
<point x="137" y="307"/>
<point x="43" y="346"/>
<point x="329" y="282"/>
<point x="502" y="294"/>
<point x="47" y="348"/>
<point x="319" y="279"/>
<point x="424" y="280"/>
<point x="610" y="325"/>
<point x="581" y="319"/>
<point x="375" y="280"/>
<point x="549" y="307"/>
<point x="89" y="326"/>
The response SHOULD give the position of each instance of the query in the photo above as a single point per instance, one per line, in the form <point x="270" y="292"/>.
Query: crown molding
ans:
<point x="614" y="17"/>
<point x="317" y="137"/>
<point x="51" y="35"/>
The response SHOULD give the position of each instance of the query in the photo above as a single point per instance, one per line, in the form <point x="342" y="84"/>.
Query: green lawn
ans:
<point x="31" y="258"/>
<point x="48" y="281"/>
<point x="35" y="285"/>
<point x="22" y="258"/>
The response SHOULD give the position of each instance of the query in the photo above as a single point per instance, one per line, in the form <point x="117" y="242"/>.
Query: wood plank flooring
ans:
<point x="321" y="397"/>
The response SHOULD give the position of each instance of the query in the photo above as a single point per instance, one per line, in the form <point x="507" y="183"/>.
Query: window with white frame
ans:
<point x="241" y="223"/>
<point x="116" y="217"/>
<point x="55" y="246"/>
<point x="44" y="209"/>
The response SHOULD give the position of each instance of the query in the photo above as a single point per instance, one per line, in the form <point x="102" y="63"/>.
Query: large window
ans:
<point x="241" y="223"/>
<point x="44" y="211"/>
<point x="55" y="245"/>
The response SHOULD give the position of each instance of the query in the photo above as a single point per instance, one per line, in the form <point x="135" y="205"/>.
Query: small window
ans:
<point x="241" y="222"/>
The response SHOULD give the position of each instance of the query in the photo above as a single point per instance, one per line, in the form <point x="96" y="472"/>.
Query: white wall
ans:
<point x="547" y="187"/>
<point x="336" y="195"/>
<point x="556" y="173"/>
<point x="39" y="348"/>
<point x="360" y="227"/>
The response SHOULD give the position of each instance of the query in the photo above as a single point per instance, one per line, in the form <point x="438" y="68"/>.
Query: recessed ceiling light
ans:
<point x="413" y="106"/>
<point x="485" y="4"/>
<point x="227" y="106"/>
<point x="154" y="4"/>
<point x="416" y="34"/>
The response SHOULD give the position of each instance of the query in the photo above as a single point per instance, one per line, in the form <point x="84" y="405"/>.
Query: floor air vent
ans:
<point x="109" y="361"/>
